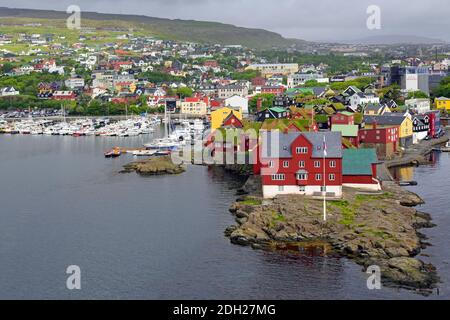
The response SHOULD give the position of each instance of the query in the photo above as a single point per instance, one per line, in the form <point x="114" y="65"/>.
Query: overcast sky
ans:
<point x="304" y="19"/>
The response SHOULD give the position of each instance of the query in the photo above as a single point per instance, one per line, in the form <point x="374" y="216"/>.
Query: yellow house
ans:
<point x="443" y="103"/>
<point x="219" y="115"/>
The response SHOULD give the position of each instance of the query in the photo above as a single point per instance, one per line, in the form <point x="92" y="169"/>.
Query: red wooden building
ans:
<point x="293" y="163"/>
<point x="343" y="118"/>
<point x="385" y="140"/>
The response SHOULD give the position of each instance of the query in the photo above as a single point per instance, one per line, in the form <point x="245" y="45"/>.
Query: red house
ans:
<point x="385" y="140"/>
<point x="308" y="163"/>
<point x="64" y="95"/>
<point x="343" y="118"/>
<point x="258" y="82"/>
<point x="273" y="90"/>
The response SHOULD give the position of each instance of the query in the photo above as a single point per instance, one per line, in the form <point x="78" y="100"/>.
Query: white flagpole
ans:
<point x="324" y="180"/>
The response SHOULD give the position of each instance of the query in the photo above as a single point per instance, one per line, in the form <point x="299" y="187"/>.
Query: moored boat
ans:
<point x="113" y="153"/>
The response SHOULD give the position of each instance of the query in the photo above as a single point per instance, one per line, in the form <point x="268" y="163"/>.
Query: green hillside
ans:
<point x="185" y="30"/>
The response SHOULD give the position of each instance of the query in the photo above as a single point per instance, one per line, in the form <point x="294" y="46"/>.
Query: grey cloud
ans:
<point x="305" y="19"/>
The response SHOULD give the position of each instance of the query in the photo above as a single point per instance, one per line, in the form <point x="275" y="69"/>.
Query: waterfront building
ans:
<point x="360" y="169"/>
<point x="194" y="106"/>
<point x="404" y="122"/>
<point x="295" y="162"/>
<point x="384" y="139"/>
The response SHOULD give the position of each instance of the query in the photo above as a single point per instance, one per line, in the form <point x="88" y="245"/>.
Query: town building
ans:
<point x="442" y="103"/>
<point x="194" y="106"/>
<point x="218" y="117"/>
<point x="295" y="163"/>
<point x="268" y="70"/>
<point x="228" y="91"/>
<point x="272" y="113"/>
<point x="237" y="102"/>
<point x="393" y="120"/>
<point x="359" y="169"/>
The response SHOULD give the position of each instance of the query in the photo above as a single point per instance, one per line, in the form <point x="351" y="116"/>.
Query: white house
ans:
<point x="359" y="99"/>
<point x="237" y="102"/>
<point x="420" y="106"/>
<point x="8" y="91"/>
<point x="74" y="83"/>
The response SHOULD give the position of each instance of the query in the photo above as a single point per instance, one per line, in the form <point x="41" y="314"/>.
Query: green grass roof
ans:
<point x="349" y="130"/>
<point x="358" y="161"/>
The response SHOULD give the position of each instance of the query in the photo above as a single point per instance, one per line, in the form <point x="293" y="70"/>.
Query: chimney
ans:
<point x="259" y="104"/>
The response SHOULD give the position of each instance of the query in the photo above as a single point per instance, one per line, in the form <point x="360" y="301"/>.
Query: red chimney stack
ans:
<point x="259" y="104"/>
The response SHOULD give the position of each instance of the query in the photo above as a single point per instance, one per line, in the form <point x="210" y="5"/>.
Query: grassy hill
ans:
<point x="185" y="30"/>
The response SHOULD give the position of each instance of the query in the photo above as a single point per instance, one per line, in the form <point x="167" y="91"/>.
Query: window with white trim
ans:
<point x="332" y="177"/>
<point x="318" y="177"/>
<point x="302" y="176"/>
<point x="301" y="164"/>
<point x="278" y="177"/>
<point x="332" y="164"/>
<point x="271" y="164"/>
<point x="301" y="150"/>
<point x="285" y="164"/>
<point x="302" y="189"/>
<point x="316" y="164"/>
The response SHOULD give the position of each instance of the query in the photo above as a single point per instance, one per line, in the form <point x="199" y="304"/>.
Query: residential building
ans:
<point x="218" y="117"/>
<point x="344" y="118"/>
<point x="74" y="83"/>
<point x="268" y="70"/>
<point x="8" y="91"/>
<point x="299" y="79"/>
<point x="272" y="113"/>
<point x="442" y="103"/>
<point x="421" y="127"/>
<point x="402" y="121"/>
<point x="228" y="91"/>
<point x="64" y="95"/>
<point x="348" y="131"/>
<point x="194" y="106"/>
<point x="420" y="106"/>
<point x="384" y="139"/>
<point x="237" y="102"/>
<point x="362" y="99"/>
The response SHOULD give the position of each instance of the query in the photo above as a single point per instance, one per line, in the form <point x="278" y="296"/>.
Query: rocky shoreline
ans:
<point x="154" y="166"/>
<point x="381" y="229"/>
<point x="372" y="229"/>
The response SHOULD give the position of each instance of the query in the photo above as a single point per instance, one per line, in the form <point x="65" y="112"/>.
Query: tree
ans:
<point x="417" y="95"/>
<point x="185" y="92"/>
<point x="267" y="101"/>
<point x="443" y="90"/>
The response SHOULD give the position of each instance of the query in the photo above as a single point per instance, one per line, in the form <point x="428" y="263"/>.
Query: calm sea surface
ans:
<point x="62" y="203"/>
